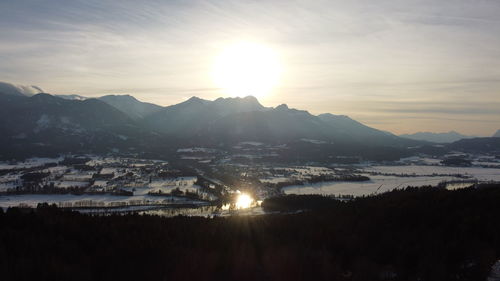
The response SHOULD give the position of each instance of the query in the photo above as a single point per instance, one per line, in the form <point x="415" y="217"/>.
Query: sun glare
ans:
<point x="245" y="69"/>
<point x="243" y="201"/>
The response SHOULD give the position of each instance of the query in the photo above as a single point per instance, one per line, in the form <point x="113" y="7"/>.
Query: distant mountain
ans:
<point x="131" y="106"/>
<point x="448" y="137"/>
<point x="43" y="124"/>
<point x="71" y="97"/>
<point x="194" y="116"/>
<point x="355" y="130"/>
<point x="19" y="90"/>
<point x="280" y="124"/>
<point x="226" y="106"/>
<point x="43" y="111"/>
<point x="47" y="123"/>
<point x="497" y="134"/>
<point x="127" y="104"/>
<point x="476" y="145"/>
<point x="237" y="119"/>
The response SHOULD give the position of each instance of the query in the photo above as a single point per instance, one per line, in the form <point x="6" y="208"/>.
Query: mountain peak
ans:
<point x="226" y="106"/>
<point x="497" y="134"/>
<point x="251" y="98"/>
<point x="329" y="115"/>
<point x="41" y="96"/>
<point x="282" y="106"/>
<point x="131" y="106"/>
<point x="194" y="98"/>
<point x="246" y="99"/>
<point x="124" y="97"/>
<point x="44" y="98"/>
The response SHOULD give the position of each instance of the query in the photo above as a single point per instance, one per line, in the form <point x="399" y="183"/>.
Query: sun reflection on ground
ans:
<point x="243" y="201"/>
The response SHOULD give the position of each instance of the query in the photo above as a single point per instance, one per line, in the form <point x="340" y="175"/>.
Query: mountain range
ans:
<point x="41" y="122"/>
<point x="448" y="137"/>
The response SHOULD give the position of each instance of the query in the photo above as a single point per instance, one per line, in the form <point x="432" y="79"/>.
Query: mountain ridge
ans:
<point x="228" y="119"/>
<point x="131" y="106"/>
<point x="444" y="137"/>
<point x="45" y="122"/>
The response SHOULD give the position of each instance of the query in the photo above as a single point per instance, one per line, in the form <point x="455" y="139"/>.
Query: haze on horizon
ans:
<point x="400" y="66"/>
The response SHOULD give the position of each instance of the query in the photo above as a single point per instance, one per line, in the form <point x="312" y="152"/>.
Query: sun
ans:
<point x="243" y="201"/>
<point x="246" y="69"/>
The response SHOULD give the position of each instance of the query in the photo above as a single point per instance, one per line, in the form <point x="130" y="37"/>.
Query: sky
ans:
<point x="400" y="66"/>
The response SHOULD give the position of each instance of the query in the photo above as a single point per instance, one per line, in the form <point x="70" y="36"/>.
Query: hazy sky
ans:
<point x="402" y="66"/>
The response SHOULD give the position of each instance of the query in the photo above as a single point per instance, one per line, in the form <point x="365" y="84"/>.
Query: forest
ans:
<point x="411" y="234"/>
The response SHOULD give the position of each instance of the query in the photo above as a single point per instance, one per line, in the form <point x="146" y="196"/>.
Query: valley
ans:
<point x="207" y="181"/>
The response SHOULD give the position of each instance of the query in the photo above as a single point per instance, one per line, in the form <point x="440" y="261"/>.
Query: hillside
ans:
<point x="476" y="145"/>
<point x="49" y="124"/>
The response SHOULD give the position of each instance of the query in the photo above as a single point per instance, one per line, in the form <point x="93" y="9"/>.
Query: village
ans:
<point x="109" y="181"/>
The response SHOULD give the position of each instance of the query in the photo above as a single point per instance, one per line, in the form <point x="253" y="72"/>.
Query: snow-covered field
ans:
<point x="309" y="170"/>
<point x="140" y="194"/>
<point x="274" y="179"/>
<point x="166" y="186"/>
<point x="77" y="177"/>
<point x="420" y="175"/>
<point x="482" y="174"/>
<point x="377" y="184"/>
<point x="487" y="163"/>
<point x="103" y="199"/>
<point x="284" y="174"/>
<point x="66" y="184"/>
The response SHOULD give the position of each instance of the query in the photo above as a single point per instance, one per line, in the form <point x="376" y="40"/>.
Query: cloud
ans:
<point x="19" y="90"/>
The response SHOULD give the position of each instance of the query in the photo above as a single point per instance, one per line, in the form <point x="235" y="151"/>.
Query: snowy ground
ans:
<point x="167" y="185"/>
<point x="105" y="200"/>
<point x="274" y="179"/>
<point x="482" y="174"/>
<point x="66" y="184"/>
<point x="285" y="174"/>
<point x="377" y="184"/>
<point x="487" y="163"/>
<point x="421" y="175"/>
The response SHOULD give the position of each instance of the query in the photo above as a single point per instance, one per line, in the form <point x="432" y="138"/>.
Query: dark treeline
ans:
<point x="414" y="234"/>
